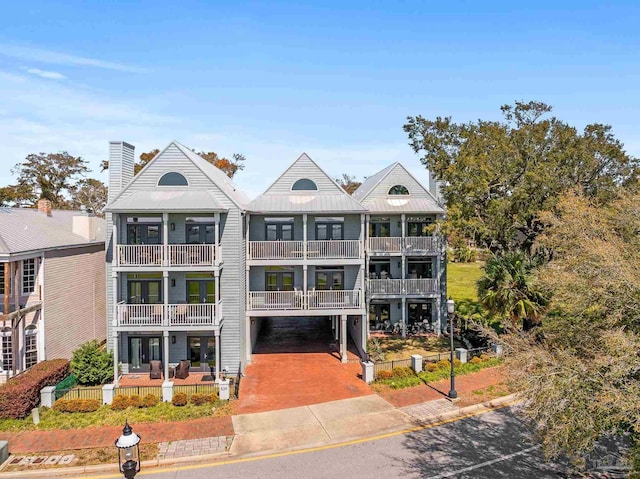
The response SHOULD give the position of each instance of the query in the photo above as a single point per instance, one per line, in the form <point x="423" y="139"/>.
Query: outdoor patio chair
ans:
<point x="182" y="369"/>
<point x="155" y="371"/>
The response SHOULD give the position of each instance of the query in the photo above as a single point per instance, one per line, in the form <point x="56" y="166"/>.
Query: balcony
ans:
<point x="160" y="315"/>
<point x="327" y="249"/>
<point x="177" y="255"/>
<point x="410" y="245"/>
<point x="298" y="300"/>
<point x="399" y="287"/>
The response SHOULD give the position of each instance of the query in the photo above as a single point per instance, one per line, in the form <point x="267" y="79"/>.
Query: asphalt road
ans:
<point x="491" y="445"/>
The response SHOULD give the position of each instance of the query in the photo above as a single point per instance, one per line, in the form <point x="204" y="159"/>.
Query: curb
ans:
<point x="110" y="469"/>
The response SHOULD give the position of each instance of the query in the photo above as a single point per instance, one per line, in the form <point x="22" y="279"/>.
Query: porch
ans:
<point x="409" y="245"/>
<point x="314" y="249"/>
<point x="142" y="379"/>
<point x="203" y="255"/>
<point x="400" y="287"/>
<point x="166" y="315"/>
<point x="298" y="300"/>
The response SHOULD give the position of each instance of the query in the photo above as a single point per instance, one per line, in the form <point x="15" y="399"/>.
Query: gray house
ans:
<point x="305" y="254"/>
<point x="406" y="263"/>
<point x="175" y="262"/>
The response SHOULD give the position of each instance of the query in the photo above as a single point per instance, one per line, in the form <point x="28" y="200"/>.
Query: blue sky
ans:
<point x="273" y="79"/>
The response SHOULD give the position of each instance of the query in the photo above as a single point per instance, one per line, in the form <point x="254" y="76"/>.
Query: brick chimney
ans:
<point x="44" y="206"/>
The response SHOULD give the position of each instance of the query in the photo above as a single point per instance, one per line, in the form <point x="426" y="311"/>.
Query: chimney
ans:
<point x="84" y="224"/>
<point x="435" y="188"/>
<point x="44" y="206"/>
<point x="121" y="159"/>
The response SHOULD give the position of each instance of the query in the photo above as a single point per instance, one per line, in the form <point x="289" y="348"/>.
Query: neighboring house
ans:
<point x="52" y="284"/>
<point x="193" y="267"/>
<point x="175" y="262"/>
<point x="305" y="253"/>
<point x="406" y="261"/>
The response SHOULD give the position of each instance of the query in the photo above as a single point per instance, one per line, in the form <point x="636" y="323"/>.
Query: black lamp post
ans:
<point x="450" y="315"/>
<point x="128" y="452"/>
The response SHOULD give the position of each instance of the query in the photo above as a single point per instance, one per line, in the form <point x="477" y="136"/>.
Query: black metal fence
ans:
<point x="476" y="352"/>
<point x="80" y="393"/>
<point x="390" y="365"/>
<point x="189" y="389"/>
<point x="236" y="382"/>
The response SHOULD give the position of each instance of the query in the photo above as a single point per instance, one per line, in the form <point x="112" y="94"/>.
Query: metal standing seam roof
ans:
<point x="167" y="200"/>
<point x="370" y="183"/>
<point x="27" y="229"/>
<point x="399" y="204"/>
<point x="306" y="202"/>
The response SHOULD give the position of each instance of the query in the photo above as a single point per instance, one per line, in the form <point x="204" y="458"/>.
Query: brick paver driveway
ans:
<point x="294" y="365"/>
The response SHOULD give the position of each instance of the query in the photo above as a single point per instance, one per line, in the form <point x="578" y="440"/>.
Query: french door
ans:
<point x="143" y="234"/>
<point x="143" y="349"/>
<point x="145" y="292"/>
<point x="329" y="231"/>
<point x="379" y="230"/>
<point x="202" y="352"/>
<point x="200" y="233"/>
<point x="279" y="280"/>
<point x="279" y="231"/>
<point x="201" y="291"/>
<point x="329" y="279"/>
<point x="419" y="312"/>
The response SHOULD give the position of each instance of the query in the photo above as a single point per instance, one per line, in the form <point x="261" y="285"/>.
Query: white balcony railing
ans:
<point x="200" y="314"/>
<point x="385" y="245"/>
<point x="140" y="255"/>
<point x="403" y="286"/>
<point x="153" y="315"/>
<point x="341" y="299"/>
<point x="385" y="286"/>
<point x="191" y="254"/>
<point x="177" y="254"/>
<point x="274" y="300"/>
<point x="276" y="249"/>
<point x="338" y="249"/>
<point x="421" y="286"/>
<point x="421" y="244"/>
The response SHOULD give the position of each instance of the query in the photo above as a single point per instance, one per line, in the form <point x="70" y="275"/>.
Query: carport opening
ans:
<point x="309" y="334"/>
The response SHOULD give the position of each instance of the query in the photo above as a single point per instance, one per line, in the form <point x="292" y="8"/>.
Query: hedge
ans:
<point x="21" y="394"/>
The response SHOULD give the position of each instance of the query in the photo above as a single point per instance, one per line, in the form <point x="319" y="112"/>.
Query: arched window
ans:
<point x="173" y="179"/>
<point x="7" y="350"/>
<point x="30" y="346"/>
<point x="304" y="184"/>
<point x="398" y="190"/>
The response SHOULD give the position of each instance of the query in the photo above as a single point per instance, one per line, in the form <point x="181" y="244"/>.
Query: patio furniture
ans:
<point x="155" y="369"/>
<point x="182" y="369"/>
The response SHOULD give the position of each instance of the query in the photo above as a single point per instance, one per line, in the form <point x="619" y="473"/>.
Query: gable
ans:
<point x="304" y="168"/>
<point x="173" y="159"/>
<point x="398" y="175"/>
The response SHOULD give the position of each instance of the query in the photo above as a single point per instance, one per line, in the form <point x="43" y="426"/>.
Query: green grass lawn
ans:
<point x="461" y="281"/>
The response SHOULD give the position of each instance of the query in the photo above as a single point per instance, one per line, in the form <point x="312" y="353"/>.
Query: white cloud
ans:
<point x="57" y="58"/>
<point x="45" y="74"/>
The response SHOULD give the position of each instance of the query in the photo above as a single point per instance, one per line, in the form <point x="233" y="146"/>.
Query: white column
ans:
<point x="404" y="317"/>
<point x="337" y="329"/>
<point x="165" y="239"/>
<point x="115" y="357"/>
<point x="165" y="337"/>
<point x="343" y="338"/>
<point x="365" y="330"/>
<point x="216" y="332"/>
<point x="165" y="309"/>
<point x="115" y="260"/>
<point x="438" y="324"/>
<point x="363" y="235"/>
<point x="216" y="240"/>
<point x="304" y="236"/>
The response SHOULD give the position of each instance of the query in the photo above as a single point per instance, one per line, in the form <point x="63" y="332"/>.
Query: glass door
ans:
<point x="145" y="292"/>
<point x="143" y="349"/>
<point x="202" y="352"/>
<point x="201" y="291"/>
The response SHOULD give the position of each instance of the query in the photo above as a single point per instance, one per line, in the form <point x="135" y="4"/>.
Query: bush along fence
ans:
<point x="108" y="393"/>
<point x="372" y="371"/>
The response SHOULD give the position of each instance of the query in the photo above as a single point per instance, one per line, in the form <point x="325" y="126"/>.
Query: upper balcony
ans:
<point x="159" y="316"/>
<point x="317" y="301"/>
<point x="300" y="250"/>
<point x="176" y="255"/>
<point x="378" y="288"/>
<point x="409" y="245"/>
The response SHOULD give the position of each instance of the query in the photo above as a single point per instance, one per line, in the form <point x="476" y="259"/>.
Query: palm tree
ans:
<point x="507" y="287"/>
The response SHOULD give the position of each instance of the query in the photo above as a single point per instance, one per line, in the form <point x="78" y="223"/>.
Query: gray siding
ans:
<point x="304" y="167"/>
<point x="75" y="299"/>
<point x="397" y="176"/>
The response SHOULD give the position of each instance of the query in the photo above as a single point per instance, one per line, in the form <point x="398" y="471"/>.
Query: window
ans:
<point x="201" y="291"/>
<point x="398" y="190"/>
<point x="279" y="279"/>
<point x="2" y="278"/>
<point x="379" y="315"/>
<point x="30" y="346"/>
<point x="420" y="227"/>
<point x="200" y="233"/>
<point x="279" y="229"/>
<point x="379" y="229"/>
<point x="380" y="269"/>
<point x="329" y="278"/>
<point x="329" y="228"/>
<point x="419" y="313"/>
<point x="304" y="184"/>
<point x="173" y="179"/>
<point x="143" y="234"/>
<point x="145" y="292"/>
<point x="28" y="275"/>
<point x="7" y="350"/>
<point x="420" y="269"/>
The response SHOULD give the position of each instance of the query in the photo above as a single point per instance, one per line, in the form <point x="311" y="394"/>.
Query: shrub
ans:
<point x="76" y="405"/>
<point x="213" y="397"/>
<point x="179" y="399"/>
<point x="385" y="375"/>
<point x="135" y="401"/>
<point x="430" y="367"/>
<point x="21" y="394"/>
<point x="485" y="357"/>
<point x="199" y="399"/>
<point x="150" y="400"/>
<point x="92" y="364"/>
<point x="444" y="363"/>
<point x="120" y="402"/>
<point x="475" y="360"/>
<point x="456" y="362"/>
<point x="405" y="372"/>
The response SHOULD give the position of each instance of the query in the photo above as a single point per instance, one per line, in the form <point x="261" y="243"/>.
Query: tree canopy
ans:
<point x="500" y="175"/>
<point x="229" y="166"/>
<point x="348" y="183"/>
<point x="580" y="369"/>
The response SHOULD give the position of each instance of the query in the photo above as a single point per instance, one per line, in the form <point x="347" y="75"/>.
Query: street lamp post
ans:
<point x="128" y="452"/>
<point x="450" y="315"/>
